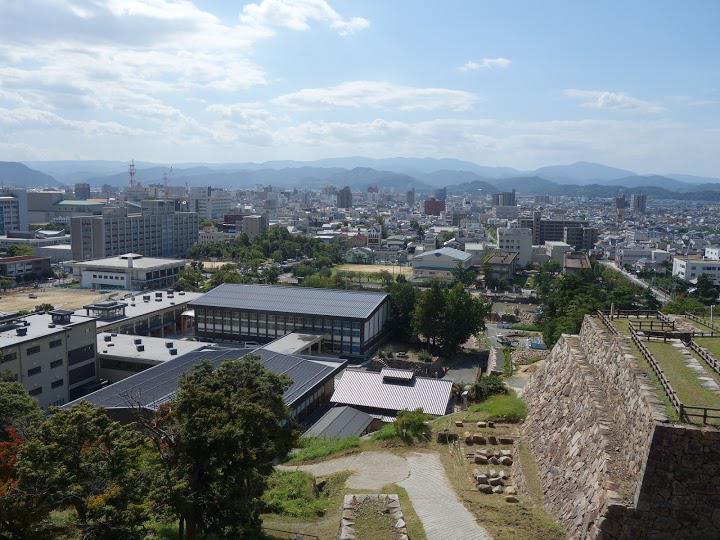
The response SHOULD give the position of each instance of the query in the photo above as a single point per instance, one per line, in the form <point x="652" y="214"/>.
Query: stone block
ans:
<point x="458" y="423"/>
<point x="497" y="489"/>
<point x="492" y="439"/>
<point x="485" y="488"/>
<point x="482" y="424"/>
<point x="511" y="498"/>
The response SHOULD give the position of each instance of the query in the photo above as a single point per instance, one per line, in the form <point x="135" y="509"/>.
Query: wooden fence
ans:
<point x="608" y="323"/>
<point x="671" y="394"/>
<point x="290" y="535"/>
<point x="710" y="360"/>
<point x="712" y="326"/>
<point x="708" y="415"/>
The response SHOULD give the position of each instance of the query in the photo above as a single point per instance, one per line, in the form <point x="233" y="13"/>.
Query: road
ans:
<point x="660" y="295"/>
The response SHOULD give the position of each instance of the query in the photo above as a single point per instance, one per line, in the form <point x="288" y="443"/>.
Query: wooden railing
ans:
<point x="290" y="535"/>
<point x="608" y="323"/>
<point x="708" y="415"/>
<point x="710" y="360"/>
<point x="667" y="387"/>
<point x="700" y="320"/>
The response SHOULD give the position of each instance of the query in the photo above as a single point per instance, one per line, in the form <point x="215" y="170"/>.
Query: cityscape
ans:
<point x="239" y="301"/>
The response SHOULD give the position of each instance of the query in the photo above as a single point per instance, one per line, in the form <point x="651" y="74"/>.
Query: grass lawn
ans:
<point x="375" y="269"/>
<point x="711" y="344"/>
<point x="501" y="408"/>
<point x="683" y="380"/>
<point x="316" y="449"/>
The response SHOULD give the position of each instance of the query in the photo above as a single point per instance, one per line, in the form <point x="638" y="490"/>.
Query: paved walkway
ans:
<point x="442" y="514"/>
<point x="422" y="475"/>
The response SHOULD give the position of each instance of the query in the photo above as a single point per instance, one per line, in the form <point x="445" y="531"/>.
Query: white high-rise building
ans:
<point x="517" y="239"/>
<point x="211" y="203"/>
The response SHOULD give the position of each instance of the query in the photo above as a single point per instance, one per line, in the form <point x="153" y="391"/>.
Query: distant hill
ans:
<point x="692" y="179"/>
<point x="581" y="172"/>
<point x="16" y="174"/>
<point x="651" y="181"/>
<point x="529" y="185"/>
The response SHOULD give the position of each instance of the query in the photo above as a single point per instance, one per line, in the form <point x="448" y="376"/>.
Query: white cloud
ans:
<point x="381" y="95"/>
<point x="617" y="101"/>
<point x="486" y="63"/>
<point x="297" y="15"/>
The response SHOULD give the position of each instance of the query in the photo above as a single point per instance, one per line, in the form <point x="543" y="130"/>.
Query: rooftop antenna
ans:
<point x="131" y="173"/>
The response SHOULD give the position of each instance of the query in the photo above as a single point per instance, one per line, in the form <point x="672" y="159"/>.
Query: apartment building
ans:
<point x="51" y="354"/>
<point x="254" y="225"/>
<point x="158" y="230"/>
<point x="13" y="210"/>
<point x="548" y="229"/>
<point x="344" y="198"/>
<point x="581" y="238"/>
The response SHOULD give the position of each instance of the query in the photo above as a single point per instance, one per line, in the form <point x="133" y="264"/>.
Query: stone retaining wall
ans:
<point x="611" y="465"/>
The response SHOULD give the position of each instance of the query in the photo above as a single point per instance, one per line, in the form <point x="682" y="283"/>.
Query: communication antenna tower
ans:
<point x="131" y="173"/>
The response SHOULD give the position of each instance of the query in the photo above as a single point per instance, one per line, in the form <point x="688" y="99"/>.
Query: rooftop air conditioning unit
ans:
<point x="141" y="348"/>
<point x="173" y="352"/>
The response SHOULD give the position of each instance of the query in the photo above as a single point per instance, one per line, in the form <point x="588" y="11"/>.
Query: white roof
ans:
<point x="371" y="389"/>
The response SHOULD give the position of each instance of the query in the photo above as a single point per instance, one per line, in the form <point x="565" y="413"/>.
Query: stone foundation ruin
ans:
<point x="612" y="465"/>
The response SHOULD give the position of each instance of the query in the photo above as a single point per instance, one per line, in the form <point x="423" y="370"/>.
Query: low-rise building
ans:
<point x="440" y="263"/>
<point x="691" y="269"/>
<point x="518" y="239"/>
<point x="501" y="265"/>
<point x="556" y="251"/>
<point x="575" y="261"/>
<point x="127" y="272"/>
<point x="25" y="268"/>
<point x="51" y="354"/>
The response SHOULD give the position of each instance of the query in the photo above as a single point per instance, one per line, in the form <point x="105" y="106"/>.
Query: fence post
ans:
<point x="681" y="412"/>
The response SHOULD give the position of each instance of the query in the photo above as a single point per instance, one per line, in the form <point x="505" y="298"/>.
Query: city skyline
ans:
<point x="523" y="86"/>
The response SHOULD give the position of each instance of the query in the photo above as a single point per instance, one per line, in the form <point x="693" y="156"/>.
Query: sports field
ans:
<point x="374" y="268"/>
<point x="59" y="297"/>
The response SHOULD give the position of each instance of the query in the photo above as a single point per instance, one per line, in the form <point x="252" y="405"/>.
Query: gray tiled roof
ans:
<point x="158" y="384"/>
<point x="368" y="389"/>
<point x="340" y="422"/>
<point x="300" y="300"/>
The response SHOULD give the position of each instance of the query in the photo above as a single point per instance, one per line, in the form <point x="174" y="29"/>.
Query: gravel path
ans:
<point x="442" y="514"/>
<point x="423" y="477"/>
<point x="372" y="470"/>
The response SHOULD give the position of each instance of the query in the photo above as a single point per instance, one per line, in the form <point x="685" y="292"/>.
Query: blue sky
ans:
<point x="525" y="84"/>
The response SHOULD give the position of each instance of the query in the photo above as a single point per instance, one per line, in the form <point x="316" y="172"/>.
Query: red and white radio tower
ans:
<point x="131" y="173"/>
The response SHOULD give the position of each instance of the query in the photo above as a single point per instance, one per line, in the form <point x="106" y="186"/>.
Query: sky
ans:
<point x="515" y="83"/>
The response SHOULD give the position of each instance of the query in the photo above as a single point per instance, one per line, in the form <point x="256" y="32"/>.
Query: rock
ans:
<point x="492" y="439"/>
<point x="497" y="489"/>
<point x="458" y="423"/>
<point x="494" y="460"/>
<point x="348" y="514"/>
<point x="452" y="437"/>
<point x="511" y="490"/>
<point x="478" y="439"/>
<point x="467" y="437"/>
<point x="491" y="424"/>
<point x="507" y="461"/>
<point x="495" y="482"/>
<point x="492" y="473"/>
<point x="442" y="436"/>
<point x="481" y="479"/>
<point x="485" y="488"/>
<point x="506" y="453"/>
<point x="347" y="534"/>
<point x="482" y="424"/>
<point x="480" y="459"/>
<point x="511" y="498"/>
<point x="504" y="474"/>
<point x="506" y="440"/>
<point x="400" y="523"/>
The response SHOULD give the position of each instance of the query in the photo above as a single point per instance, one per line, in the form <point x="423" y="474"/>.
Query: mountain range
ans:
<point x="398" y="174"/>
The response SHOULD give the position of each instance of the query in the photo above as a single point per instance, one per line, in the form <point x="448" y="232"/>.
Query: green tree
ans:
<point x="17" y="250"/>
<point x="462" y="275"/>
<point x="464" y="315"/>
<point x="40" y="308"/>
<point x="403" y="297"/>
<point x="706" y="290"/>
<point x="429" y="313"/>
<point x="191" y="277"/>
<point x="217" y="440"/>
<point x="81" y="458"/>
<point x="18" y="409"/>
<point x="682" y="305"/>
<point x="270" y="274"/>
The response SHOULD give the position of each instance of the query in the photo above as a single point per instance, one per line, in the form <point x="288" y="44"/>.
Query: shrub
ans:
<point x="487" y="386"/>
<point x="385" y="433"/>
<point x="314" y="448"/>
<point x="410" y="425"/>
<point x="502" y="408"/>
<point x="293" y="493"/>
<point x="425" y="356"/>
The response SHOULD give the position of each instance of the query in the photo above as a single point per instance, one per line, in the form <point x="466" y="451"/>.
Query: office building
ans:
<point x="13" y="210"/>
<point x="254" y="225"/>
<point x="158" y="230"/>
<point x="41" y="204"/>
<point x="516" y="239"/>
<point x="548" y="229"/>
<point x="690" y="269"/>
<point x="344" y="198"/>
<point x="351" y="323"/>
<point x="434" y="207"/>
<point x="410" y="198"/>
<point x="505" y="198"/>
<point x="51" y="354"/>
<point x="25" y="268"/>
<point x="581" y="238"/>
<point x="441" y="194"/>
<point x="129" y="272"/>
<point x="210" y="203"/>
<point x="82" y="191"/>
